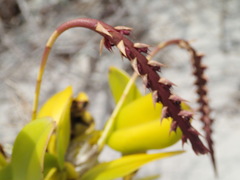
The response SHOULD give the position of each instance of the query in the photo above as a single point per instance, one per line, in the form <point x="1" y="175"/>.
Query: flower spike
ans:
<point x="150" y="76"/>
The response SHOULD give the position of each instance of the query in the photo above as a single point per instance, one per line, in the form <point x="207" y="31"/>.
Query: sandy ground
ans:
<point x="213" y="25"/>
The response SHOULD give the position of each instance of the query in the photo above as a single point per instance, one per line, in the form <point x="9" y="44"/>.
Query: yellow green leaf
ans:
<point x="138" y="128"/>
<point x="70" y="171"/>
<point x="58" y="107"/>
<point x="6" y="172"/>
<point x="56" y="174"/>
<point x="52" y="174"/>
<point x="118" y="80"/>
<point x="50" y="162"/>
<point x="143" y="137"/>
<point x="123" y="166"/>
<point x="3" y="161"/>
<point x="52" y="144"/>
<point x="29" y="149"/>
<point x="140" y="111"/>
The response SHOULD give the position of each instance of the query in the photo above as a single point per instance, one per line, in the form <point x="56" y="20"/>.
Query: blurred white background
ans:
<point x="214" y="25"/>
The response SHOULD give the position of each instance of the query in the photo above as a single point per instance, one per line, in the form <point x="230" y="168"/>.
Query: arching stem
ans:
<point x="82" y="22"/>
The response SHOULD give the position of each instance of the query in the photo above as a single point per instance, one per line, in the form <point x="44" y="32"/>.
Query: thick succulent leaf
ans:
<point x="143" y="137"/>
<point x="123" y="166"/>
<point x="3" y="161"/>
<point x="118" y="80"/>
<point x="6" y="172"/>
<point x="52" y="145"/>
<point x="58" y="107"/>
<point x="52" y="174"/>
<point x="55" y="174"/>
<point x="29" y="149"/>
<point x="139" y="122"/>
<point x="138" y="112"/>
<point x="63" y="136"/>
<point x="70" y="171"/>
<point x="50" y="162"/>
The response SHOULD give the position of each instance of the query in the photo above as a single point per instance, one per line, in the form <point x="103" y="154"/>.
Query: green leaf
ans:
<point x="58" y="107"/>
<point x="118" y="80"/>
<point x="52" y="174"/>
<point x="124" y="91"/>
<point x="29" y="149"/>
<point x="139" y="122"/>
<point x="140" y="111"/>
<point x="3" y="161"/>
<point x="50" y="161"/>
<point x="123" y="166"/>
<point x="6" y="172"/>
<point x="70" y="171"/>
<point x="151" y="135"/>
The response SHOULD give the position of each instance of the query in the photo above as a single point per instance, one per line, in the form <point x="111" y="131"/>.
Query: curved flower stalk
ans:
<point x="148" y="70"/>
<point x="201" y="82"/>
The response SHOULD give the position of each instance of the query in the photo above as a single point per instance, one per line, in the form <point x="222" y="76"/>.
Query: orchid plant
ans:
<point x="61" y="142"/>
